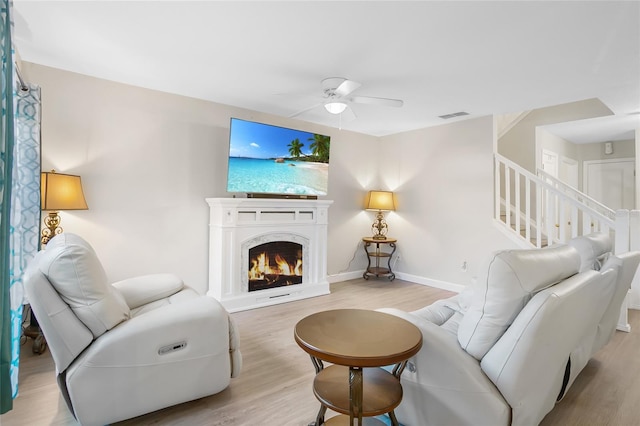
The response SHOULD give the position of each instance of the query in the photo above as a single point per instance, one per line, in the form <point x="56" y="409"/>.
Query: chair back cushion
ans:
<point x="74" y="270"/>
<point x="512" y="278"/>
<point x="66" y="335"/>
<point x="594" y="250"/>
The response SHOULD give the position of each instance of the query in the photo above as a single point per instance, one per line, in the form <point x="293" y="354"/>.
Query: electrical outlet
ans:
<point x="464" y="266"/>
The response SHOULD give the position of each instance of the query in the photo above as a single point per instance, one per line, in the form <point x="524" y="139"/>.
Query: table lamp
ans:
<point x="380" y="201"/>
<point x="59" y="191"/>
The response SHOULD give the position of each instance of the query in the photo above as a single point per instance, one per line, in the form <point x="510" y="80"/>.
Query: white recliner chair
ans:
<point x="128" y="348"/>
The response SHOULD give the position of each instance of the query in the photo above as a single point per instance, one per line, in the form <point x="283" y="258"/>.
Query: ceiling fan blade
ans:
<point x="304" y="110"/>
<point x="347" y="87"/>
<point x="377" y="101"/>
<point x="348" y="115"/>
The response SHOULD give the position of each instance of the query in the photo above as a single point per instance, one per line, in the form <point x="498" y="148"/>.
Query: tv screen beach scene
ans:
<point x="276" y="160"/>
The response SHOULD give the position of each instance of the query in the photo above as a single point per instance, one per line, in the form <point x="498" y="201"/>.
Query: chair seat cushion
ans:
<point x="74" y="270"/>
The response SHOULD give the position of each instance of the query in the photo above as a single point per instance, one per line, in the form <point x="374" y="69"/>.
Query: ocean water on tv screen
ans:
<point x="268" y="176"/>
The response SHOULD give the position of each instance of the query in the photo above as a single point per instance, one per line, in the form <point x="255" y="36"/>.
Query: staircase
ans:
<point x="539" y="210"/>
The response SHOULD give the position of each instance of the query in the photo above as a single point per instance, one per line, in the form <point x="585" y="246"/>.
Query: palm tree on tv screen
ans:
<point x="295" y="148"/>
<point x="320" y="147"/>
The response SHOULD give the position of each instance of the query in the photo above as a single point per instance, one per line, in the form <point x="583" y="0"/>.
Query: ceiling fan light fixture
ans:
<point x="335" y="107"/>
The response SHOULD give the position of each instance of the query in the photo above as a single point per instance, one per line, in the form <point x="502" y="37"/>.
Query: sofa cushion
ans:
<point x="73" y="269"/>
<point x="512" y="277"/>
<point x="594" y="250"/>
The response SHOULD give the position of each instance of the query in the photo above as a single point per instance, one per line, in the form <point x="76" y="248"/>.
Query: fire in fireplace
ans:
<point x="275" y="264"/>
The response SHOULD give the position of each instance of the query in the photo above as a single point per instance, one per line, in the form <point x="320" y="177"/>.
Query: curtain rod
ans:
<point x="21" y="82"/>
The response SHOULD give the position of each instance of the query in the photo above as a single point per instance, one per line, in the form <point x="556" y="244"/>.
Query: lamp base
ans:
<point x="379" y="227"/>
<point x="51" y="229"/>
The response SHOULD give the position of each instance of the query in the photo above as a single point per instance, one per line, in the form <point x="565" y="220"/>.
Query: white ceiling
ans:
<point x="439" y="57"/>
<point x="595" y="130"/>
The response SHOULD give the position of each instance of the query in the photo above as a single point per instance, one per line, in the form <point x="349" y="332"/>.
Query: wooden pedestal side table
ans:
<point x="357" y="343"/>
<point x="378" y="255"/>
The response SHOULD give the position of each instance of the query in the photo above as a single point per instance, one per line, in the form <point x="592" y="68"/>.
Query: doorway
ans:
<point x="611" y="182"/>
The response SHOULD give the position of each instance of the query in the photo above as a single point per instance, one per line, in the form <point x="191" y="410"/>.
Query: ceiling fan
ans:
<point x="336" y="97"/>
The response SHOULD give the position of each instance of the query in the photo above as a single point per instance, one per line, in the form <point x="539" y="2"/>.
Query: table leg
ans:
<point x="319" y="366"/>
<point x="317" y="363"/>
<point x="397" y="372"/>
<point x="392" y="416"/>
<point x="398" y="369"/>
<point x="366" y="271"/>
<point x="355" y="395"/>
<point x="392" y="276"/>
<point x="320" y="417"/>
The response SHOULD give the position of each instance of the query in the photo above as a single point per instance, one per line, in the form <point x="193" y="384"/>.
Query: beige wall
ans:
<point x="595" y="151"/>
<point x="581" y="152"/>
<point x="443" y="178"/>
<point x="519" y="143"/>
<point x="149" y="159"/>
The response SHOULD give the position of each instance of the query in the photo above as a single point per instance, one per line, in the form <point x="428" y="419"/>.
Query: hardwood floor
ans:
<point x="274" y="388"/>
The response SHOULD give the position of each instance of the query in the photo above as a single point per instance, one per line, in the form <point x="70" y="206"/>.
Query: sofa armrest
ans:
<point x="445" y="385"/>
<point x="628" y="265"/>
<point x="145" y="289"/>
<point x="234" y="348"/>
<point x="442" y="362"/>
<point x="438" y="312"/>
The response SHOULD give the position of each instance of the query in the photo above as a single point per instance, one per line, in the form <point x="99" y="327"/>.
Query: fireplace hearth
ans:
<point x="266" y="251"/>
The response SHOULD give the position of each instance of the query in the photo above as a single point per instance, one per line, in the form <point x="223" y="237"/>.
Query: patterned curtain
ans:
<point x="25" y="208"/>
<point x="6" y="167"/>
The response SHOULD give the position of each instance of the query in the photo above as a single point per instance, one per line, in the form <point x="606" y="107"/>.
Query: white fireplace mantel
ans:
<point x="235" y="222"/>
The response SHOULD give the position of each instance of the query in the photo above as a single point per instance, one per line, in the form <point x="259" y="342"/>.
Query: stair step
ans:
<point x="523" y="232"/>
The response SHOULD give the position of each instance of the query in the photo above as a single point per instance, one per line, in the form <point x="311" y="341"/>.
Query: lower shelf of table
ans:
<point x="344" y="420"/>
<point x="381" y="390"/>
<point x="378" y="270"/>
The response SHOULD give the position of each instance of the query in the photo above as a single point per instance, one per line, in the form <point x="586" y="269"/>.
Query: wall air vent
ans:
<point x="455" y="114"/>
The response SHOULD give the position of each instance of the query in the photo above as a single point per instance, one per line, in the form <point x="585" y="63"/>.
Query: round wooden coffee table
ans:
<point x="357" y="342"/>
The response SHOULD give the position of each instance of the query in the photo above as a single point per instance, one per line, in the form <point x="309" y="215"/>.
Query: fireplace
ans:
<point x="266" y="251"/>
<point x="274" y="264"/>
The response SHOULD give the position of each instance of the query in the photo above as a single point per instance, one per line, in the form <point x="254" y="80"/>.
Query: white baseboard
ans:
<point x="443" y="285"/>
<point x="344" y="276"/>
<point x="624" y="327"/>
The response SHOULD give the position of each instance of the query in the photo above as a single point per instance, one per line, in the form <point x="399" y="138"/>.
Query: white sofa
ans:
<point x="506" y="349"/>
<point x="128" y="348"/>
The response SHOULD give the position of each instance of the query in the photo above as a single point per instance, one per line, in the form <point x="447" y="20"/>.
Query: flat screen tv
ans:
<point x="267" y="160"/>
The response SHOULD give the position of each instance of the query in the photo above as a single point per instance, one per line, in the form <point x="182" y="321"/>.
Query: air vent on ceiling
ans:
<point x="455" y="114"/>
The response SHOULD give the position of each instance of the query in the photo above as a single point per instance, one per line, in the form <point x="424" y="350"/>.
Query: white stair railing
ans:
<point x="541" y="210"/>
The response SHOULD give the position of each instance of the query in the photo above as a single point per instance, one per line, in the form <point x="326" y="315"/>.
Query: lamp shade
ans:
<point x="61" y="192"/>
<point x="335" y="107"/>
<point x="380" y="200"/>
